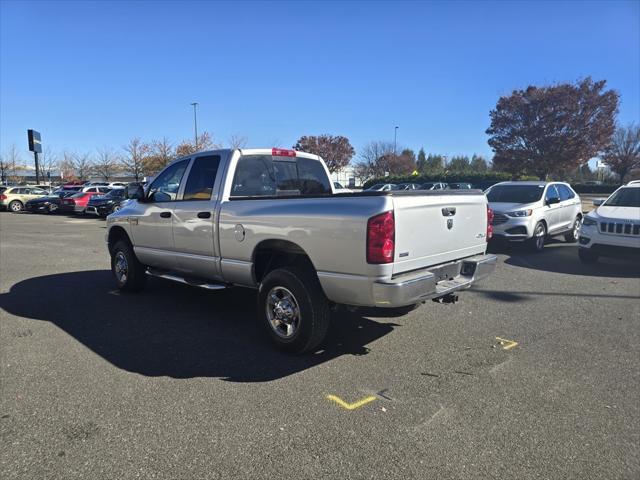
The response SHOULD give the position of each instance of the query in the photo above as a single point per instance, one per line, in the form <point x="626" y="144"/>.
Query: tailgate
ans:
<point x="434" y="229"/>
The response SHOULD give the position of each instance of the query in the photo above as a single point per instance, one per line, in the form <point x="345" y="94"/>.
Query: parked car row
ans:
<point x="385" y="187"/>
<point x="532" y="212"/>
<point x="523" y="212"/>
<point x="100" y="200"/>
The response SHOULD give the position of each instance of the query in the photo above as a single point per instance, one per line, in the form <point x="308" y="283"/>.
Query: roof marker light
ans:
<point x="282" y="152"/>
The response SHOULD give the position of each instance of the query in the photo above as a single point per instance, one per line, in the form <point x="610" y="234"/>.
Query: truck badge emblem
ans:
<point x="450" y="223"/>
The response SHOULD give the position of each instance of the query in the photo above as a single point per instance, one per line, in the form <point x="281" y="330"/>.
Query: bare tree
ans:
<point x="106" y="164"/>
<point x="374" y="158"/>
<point x="48" y="162"/>
<point x="623" y="153"/>
<point x="11" y="161"/>
<point x="66" y="165"/>
<point x="237" y="141"/>
<point x="205" y="142"/>
<point x="136" y="154"/>
<point x="4" y="167"/>
<point x="161" y="153"/>
<point x="82" y="165"/>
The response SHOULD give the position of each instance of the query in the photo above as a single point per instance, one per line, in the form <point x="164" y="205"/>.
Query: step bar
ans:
<point x="187" y="281"/>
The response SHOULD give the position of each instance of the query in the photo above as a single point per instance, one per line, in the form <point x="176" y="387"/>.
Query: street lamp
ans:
<point x="395" y="141"/>
<point x="195" y="123"/>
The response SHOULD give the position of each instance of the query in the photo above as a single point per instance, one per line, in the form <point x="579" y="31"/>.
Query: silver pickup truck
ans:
<point x="269" y="219"/>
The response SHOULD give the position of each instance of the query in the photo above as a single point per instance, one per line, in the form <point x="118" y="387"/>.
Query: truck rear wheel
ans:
<point x="127" y="270"/>
<point x="292" y="310"/>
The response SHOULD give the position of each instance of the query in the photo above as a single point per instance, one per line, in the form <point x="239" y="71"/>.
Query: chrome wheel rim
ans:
<point x="121" y="268"/>
<point x="576" y="229"/>
<point x="283" y="312"/>
<point x="16" y="207"/>
<point x="540" y="237"/>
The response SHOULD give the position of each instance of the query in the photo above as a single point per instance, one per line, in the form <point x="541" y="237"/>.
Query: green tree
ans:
<point x="478" y="163"/>
<point x="552" y="129"/>
<point x="459" y="163"/>
<point x="435" y="164"/>
<point x="422" y="160"/>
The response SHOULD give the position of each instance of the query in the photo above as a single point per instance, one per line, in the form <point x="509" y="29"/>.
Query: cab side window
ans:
<point x="202" y="178"/>
<point x="166" y="185"/>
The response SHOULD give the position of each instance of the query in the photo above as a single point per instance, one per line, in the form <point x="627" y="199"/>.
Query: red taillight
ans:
<point x="489" y="223"/>
<point x="381" y="234"/>
<point x="282" y="152"/>
<point x="3" y="196"/>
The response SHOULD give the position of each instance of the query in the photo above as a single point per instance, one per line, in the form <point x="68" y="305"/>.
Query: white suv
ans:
<point x="532" y="211"/>
<point x="612" y="229"/>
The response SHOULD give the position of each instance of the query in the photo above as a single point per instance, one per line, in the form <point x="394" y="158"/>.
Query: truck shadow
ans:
<point x="175" y="330"/>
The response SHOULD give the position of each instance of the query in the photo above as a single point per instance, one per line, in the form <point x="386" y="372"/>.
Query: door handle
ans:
<point x="204" y="214"/>
<point x="165" y="214"/>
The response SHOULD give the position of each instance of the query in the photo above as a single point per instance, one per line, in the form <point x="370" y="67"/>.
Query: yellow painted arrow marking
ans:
<point x="506" y="344"/>
<point x="351" y="406"/>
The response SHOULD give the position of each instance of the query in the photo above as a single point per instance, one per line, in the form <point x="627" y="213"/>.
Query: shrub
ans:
<point x="584" y="188"/>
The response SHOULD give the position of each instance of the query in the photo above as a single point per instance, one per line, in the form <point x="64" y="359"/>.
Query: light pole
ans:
<point x="395" y="141"/>
<point x="195" y="123"/>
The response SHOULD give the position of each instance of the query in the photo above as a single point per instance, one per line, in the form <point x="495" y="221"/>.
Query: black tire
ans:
<point x="587" y="256"/>
<point x="308" y="315"/>
<point x="572" y="236"/>
<point x="134" y="276"/>
<point x="536" y="243"/>
<point x="16" y="206"/>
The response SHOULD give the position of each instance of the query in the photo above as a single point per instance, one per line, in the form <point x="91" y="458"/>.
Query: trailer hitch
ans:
<point x="448" y="298"/>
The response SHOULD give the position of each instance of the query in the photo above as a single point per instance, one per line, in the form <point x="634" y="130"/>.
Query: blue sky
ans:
<point x="92" y="74"/>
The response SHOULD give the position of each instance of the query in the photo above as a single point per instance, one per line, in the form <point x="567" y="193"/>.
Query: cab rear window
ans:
<point x="264" y="175"/>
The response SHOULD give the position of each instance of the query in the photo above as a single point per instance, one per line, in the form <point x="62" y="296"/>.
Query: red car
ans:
<point x="78" y="202"/>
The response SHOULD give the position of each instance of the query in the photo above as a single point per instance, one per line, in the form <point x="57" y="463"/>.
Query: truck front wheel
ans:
<point x="127" y="270"/>
<point x="292" y="310"/>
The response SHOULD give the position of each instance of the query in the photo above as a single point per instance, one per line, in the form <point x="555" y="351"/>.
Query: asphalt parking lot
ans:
<point x="176" y="382"/>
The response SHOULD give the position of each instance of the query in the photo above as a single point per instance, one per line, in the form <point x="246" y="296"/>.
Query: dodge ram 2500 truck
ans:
<point x="269" y="219"/>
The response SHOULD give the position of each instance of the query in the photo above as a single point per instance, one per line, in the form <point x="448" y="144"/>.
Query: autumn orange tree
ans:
<point x="552" y="129"/>
<point x="335" y="150"/>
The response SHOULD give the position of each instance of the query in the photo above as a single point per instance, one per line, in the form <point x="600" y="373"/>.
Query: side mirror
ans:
<point x="598" y="201"/>
<point x="135" y="192"/>
<point x="553" y="200"/>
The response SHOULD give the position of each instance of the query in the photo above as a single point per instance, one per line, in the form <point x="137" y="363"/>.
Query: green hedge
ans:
<point x="476" y="179"/>
<point x="602" y="189"/>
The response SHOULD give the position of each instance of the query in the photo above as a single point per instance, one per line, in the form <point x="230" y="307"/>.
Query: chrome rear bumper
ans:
<point x="433" y="283"/>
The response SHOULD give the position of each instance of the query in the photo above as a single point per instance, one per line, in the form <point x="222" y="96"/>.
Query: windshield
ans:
<point x="515" y="193"/>
<point x="625" y="197"/>
<point x="377" y="186"/>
